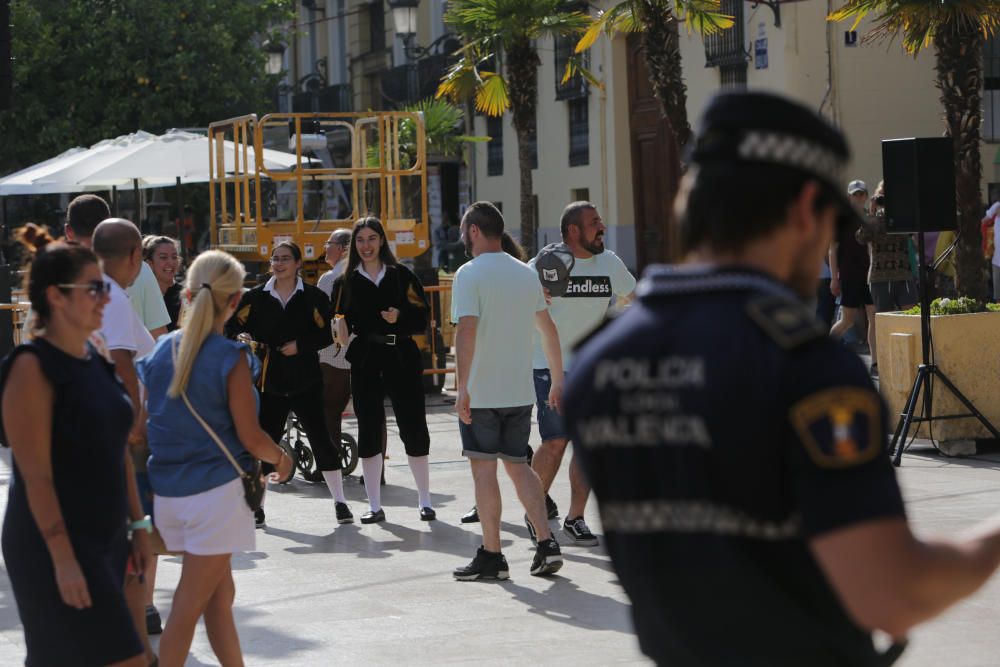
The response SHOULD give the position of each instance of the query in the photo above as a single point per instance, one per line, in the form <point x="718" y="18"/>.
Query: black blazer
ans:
<point x="363" y="303"/>
<point x="305" y="319"/>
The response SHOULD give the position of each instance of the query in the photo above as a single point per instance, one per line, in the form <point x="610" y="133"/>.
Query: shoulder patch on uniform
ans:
<point x="787" y="322"/>
<point x="243" y="314"/>
<point x="839" y="427"/>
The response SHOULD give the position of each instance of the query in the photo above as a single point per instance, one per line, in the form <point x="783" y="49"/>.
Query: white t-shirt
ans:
<point x="992" y="213"/>
<point x="147" y="299"/>
<point x="592" y="283"/>
<point x="504" y="294"/>
<point x="121" y="327"/>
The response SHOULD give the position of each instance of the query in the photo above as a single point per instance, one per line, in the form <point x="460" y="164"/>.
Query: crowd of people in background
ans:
<point x="181" y="384"/>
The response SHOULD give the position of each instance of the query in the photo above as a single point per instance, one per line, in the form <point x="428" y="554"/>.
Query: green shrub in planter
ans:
<point x="959" y="306"/>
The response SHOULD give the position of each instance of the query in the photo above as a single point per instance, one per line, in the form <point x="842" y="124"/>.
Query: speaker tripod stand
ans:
<point x="928" y="371"/>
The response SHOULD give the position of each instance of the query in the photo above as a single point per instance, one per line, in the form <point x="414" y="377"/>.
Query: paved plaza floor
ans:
<point x="314" y="593"/>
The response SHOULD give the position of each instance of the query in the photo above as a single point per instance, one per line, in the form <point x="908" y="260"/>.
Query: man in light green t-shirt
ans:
<point x="498" y="303"/>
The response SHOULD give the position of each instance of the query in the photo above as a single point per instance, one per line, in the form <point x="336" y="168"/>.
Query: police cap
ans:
<point x="767" y="129"/>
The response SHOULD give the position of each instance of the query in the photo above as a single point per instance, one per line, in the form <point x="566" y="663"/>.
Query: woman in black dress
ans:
<point x="290" y="322"/>
<point x="66" y="417"/>
<point x="162" y="255"/>
<point x="384" y="306"/>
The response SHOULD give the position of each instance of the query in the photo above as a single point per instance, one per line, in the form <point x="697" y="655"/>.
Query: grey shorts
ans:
<point x="892" y="295"/>
<point x="497" y="433"/>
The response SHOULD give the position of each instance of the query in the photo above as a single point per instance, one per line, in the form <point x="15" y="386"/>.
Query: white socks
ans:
<point x="372" y="469"/>
<point x="335" y="482"/>
<point x="422" y="478"/>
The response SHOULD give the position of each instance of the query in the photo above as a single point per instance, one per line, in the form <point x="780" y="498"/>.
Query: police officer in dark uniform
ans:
<point x="736" y="452"/>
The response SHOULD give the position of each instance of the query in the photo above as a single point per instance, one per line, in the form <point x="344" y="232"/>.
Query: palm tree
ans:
<point x="957" y="30"/>
<point x="659" y="21"/>
<point x="498" y="68"/>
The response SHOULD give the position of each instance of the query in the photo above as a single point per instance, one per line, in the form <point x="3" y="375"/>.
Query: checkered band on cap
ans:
<point x="791" y="151"/>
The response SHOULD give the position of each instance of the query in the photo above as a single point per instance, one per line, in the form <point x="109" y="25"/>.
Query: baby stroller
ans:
<point x="296" y="444"/>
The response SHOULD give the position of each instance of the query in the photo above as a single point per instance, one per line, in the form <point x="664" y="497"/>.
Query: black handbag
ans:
<point x="253" y="485"/>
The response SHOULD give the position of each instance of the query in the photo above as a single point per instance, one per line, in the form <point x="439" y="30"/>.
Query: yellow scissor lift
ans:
<point x="342" y="166"/>
<point x="333" y="169"/>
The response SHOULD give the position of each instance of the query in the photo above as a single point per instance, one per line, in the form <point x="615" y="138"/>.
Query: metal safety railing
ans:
<point x="446" y="327"/>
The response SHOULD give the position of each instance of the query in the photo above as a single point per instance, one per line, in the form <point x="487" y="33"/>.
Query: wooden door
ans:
<point x="655" y="165"/>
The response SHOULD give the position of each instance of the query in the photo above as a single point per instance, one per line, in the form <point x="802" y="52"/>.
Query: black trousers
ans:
<point x="308" y="407"/>
<point x="397" y="372"/>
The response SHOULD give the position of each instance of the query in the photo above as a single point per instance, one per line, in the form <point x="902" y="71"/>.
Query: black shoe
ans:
<point x="531" y="530"/>
<point x="373" y="517"/>
<point x="154" y="625"/>
<point x="579" y="532"/>
<point x="550" y="506"/>
<point x="486" y="565"/>
<point x="472" y="516"/>
<point x="548" y="558"/>
<point x="427" y="514"/>
<point x="343" y="513"/>
<point x="258" y="519"/>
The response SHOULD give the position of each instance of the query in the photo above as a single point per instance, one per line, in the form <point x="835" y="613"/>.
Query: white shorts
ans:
<point x="210" y="523"/>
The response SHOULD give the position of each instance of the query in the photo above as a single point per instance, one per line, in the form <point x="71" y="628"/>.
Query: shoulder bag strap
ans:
<point x="211" y="432"/>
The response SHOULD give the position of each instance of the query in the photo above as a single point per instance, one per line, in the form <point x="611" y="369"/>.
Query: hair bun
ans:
<point x="33" y="237"/>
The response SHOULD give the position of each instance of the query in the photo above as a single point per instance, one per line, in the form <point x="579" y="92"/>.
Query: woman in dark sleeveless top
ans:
<point x="66" y="417"/>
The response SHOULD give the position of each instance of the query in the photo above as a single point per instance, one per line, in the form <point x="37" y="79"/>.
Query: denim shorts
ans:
<point x="550" y="422"/>
<point x="497" y="433"/>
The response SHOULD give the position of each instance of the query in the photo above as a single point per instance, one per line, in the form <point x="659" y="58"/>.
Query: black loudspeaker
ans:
<point x="919" y="179"/>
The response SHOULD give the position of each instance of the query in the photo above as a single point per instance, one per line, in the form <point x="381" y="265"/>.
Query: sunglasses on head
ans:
<point x="95" y="288"/>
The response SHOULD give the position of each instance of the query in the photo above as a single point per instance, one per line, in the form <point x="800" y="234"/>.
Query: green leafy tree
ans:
<point x="956" y="29"/>
<point x="498" y="68"/>
<point x="86" y="70"/>
<point x="659" y="21"/>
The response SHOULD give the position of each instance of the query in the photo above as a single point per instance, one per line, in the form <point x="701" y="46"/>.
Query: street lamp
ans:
<point x="275" y="57"/>
<point x="404" y="17"/>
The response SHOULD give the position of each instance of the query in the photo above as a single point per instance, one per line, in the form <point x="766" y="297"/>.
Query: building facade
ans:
<point x="609" y="144"/>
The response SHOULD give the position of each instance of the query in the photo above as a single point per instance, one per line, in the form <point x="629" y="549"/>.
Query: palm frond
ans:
<point x="461" y="81"/>
<point x="619" y="18"/>
<point x="704" y="17"/>
<point x="492" y="97"/>
<point x="916" y="22"/>
<point x="574" y="67"/>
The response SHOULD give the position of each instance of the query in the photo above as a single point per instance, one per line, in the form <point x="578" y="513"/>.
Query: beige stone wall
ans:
<point x="876" y="91"/>
<point x="607" y="177"/>
<point x="872" y="91"/>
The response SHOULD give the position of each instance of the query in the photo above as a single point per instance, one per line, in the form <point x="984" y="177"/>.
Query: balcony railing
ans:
<point x="412" y="82"/>
<point x="727" y="47"/>
<point x="335" y="99"/>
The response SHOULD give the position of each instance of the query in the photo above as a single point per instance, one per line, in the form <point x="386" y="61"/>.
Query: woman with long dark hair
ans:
<point x="66" y="417"/>
<point x="384" y="306"/>
<point x="290" y="322"/>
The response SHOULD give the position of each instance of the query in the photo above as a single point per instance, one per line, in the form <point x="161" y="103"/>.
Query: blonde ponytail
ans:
<point x="213" y="278"/>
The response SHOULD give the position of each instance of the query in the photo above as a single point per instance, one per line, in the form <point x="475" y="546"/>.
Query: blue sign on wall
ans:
<point x="760" y="53"/>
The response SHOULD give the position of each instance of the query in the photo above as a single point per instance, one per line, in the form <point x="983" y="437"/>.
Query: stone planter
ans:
<point x="966" y="349"/>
